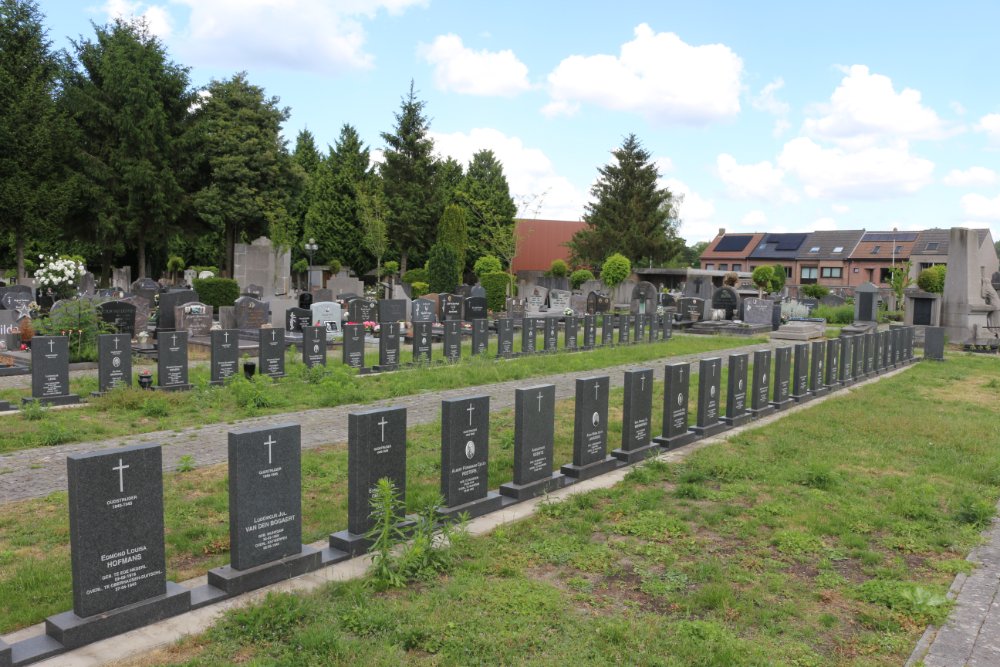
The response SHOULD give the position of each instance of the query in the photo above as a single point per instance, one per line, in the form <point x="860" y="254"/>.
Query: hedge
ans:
<point x="495" y="285"/>
<point x="217" y="292"/>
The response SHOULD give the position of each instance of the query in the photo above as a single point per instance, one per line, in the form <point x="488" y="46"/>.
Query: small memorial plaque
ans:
<point x="314" y="345"/>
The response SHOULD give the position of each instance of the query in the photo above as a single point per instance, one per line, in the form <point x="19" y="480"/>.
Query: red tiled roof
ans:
<point x="541" y="241"/>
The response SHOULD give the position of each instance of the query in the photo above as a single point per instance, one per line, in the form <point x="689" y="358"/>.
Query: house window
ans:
<point x="737" y="267"/>
<point x="838" y="249"/>
<point x="709" y="266"/>
<point x="932" y="246"/>
<point x="884" y="275"/>
<point x="856" y="269"/>
<point x="899" y="249"/>
<point x="809" y="272"/>
<point x="832" y="272"/>
<point x="788" y="273"/>
<point x="723" y="267"/>
<point x="876" y="249"/>
<point x="815" y="248"/>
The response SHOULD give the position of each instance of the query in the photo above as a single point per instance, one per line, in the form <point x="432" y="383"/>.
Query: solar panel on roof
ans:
<point x="733" y="242"/>
<point x="789" y="242"/>
<point x="889" y="237"/>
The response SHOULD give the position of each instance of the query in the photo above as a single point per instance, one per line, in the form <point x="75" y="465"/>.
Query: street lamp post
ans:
<point x="311" y="248"/>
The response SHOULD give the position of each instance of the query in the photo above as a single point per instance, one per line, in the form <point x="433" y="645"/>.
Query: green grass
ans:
<point x="826" y="538"/>
<point x="130" y="412"/>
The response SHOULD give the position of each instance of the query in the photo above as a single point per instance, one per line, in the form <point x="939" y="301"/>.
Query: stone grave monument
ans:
<point x="465" y="441"/>
<point x="114" y="361"/>
<point x="422" y="342"/>
<point x="676" y="433"/>
<point x="271" y="352"/>
<point x="534" y="443"/>
<point x="505" y="338"/>
<point x="225" y="355"/>
<point x="50" y="371"/>
<point x="590" y="430"/>
<point x="637" y="418"/>
<point x="452" y="340"/>
<point x="314" y="345"/>
<point x="172" y="362"/>
<point x="760" y="405"/>
<point x="736" y="391"/>
<point x="782" y="378"/>
<point x="707" y="422"/>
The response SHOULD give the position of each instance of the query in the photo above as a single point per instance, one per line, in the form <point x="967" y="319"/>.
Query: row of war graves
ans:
<point x="116" y="497"/>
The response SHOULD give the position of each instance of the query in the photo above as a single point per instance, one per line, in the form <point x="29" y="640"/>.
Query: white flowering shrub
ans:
<point x="60" y="274"/>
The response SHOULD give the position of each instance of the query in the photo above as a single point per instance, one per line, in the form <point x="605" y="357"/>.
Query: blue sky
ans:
<point x="768" y="116"/>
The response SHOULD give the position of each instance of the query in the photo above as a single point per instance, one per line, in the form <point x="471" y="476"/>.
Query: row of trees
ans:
<point x="109" y="152"/>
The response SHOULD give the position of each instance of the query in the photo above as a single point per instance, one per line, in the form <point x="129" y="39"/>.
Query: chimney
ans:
<point x="722" y="231"/>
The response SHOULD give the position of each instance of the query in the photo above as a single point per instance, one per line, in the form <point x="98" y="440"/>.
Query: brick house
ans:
<point x="729" y="252"/>
<point x="876" y="254"/>
<point x="822" y="257"/>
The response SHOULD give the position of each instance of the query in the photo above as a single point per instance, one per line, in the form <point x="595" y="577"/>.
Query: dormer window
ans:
<point x="899" y="249"/>
<point x="876" y="249"/>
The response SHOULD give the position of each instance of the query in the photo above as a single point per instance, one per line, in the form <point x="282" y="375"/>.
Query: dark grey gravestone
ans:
<point x="388" y="347"/>
<point x="923" y="311"/>
<point x="422" y="310"/>
<point x="475" y="308"/>
<point x="897" y="346"/>
<point x="832" y="364"/>
<point x="858" y="354"/>
<point x="114" y="361"/>
<point x="624" y="329"/>
<point x="691" y="308"/>
<point x="505" y="338"/>
<point x="5" y="654"/>
<point x="886" y="347"/>
<point x="758" y="311"/>
<point x="590" y="430"/>
<point x="707" y="422"/>
<point x="172" y="361"/>
<point x="876" y="352"/>
<point x="534" y="443"/>
<point x="251" y="313"/>
<point x="736" y="390"/>
<point x="598" y="303"/>
<point x="271" y="352"/>
<point x="760" y="393"/>
<point x="480" y="335"/>
<point x="728" y="299"/>
<point x="637" y="418"/>
<point x="422" y="342"/>
<point x="194" y="318"/>
<point x="119" y="315"/>
<point x="866" y="303"/>
<point x="667" y="325"/>
<point x="911" y="333"/>
<point x="667" y="300"/>
<point x="353" y="350"/>
<point x="528" y="339"/>
<point x="869" y="364"/>
<point x="817" y="361"/>
<point x="165" y="319"/>
<point x="934" y="343"/>
<point x="589" y="332"/>
<point x="607" y="329"/>
<point x="314" y="345"/>
<point x="452" y="340"/>
<point x="50" y="371"/>
<point x="578" y="304"/>
<point x="116" y="546"/>
<point x="550" y="338"/>
<point x="376" y="449"/>
<point x="676" y="379"/>
<point x="782" y="378"/>
<point x="477" y="290"/>
<point x="360" y="311"/>
<point x="392" y="310"/>
<point x="141" y="312"/>
<point x="800" y="374"/>
<point x="572" y="328"/>
<point x="846" y="360"/>
<point x="147" y="288"/>
<point x="265" y="510"/>
<point x="639" y="328"/>
<point x="225" y="355"/>
<point x="450" y="306"/>
<point x="654" y="327"/>
<point x="465" y="442"/>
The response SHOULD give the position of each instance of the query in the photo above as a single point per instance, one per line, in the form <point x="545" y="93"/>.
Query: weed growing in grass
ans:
<point x="155" y="406"/>
<point x="33" y="411"/>
<point x="917" y="602"/>
<point x="185" y="463"/>
<point x="975" y="511"/>
<point x="253" y="394"/>
<point x="272" y="621"/>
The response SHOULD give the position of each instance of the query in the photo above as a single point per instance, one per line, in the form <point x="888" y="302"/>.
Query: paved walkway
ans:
<point x="38" y="472"/>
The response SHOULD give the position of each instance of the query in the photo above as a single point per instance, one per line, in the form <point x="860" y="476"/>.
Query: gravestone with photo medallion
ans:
<point x="589" y="332"/>
<point x="607" y="329"/>
<point x="423" y="310"/>
<point x="571" y="330"/>
<point x="50" y="371"/>
<point x="782" y="377"/>
<point x="119" y="315"/>
<point x="590" y="430"/>
<point x="422" y="342"/>
<point x="166" y="311"/>
<point x="637" y="418"/>
<point x="327" y="314"/>
<point x="449" y="307"/>
<point x="550" y="336"/>
<point x="691" y="309"/>
<point x="817" y="385"/>
<point x="534" y="443"/>
<point x="559" y="300"/>
<point x="480" y="335"/>
<point x="314" y="345"/>
<point x="388" y="347"/>
<point x="598" y="303"/>
<point x="676" y="385"/>
<point x="452" y="340"/>
<point x="535" y="298"/>
<point x="624" y="329"/>
<point x="376" y="449"/>
<point x="760" y="392"/>
<point x="352" y="351"/>
<point x="736" y="390"/>
<point x="800" y="374"/>
<point x="265" y="510"/>
<point x="728" y="299"/>
<point x="644" y="298"/>
<point x="528" y="335"/>
<point x="707" y="422"/>
<point x="271" y="352"/>
<point x="465" y="438"/>
<point x="193" y="318"/>
<point x="114" y="361"/>
<point x="505" y="338"/>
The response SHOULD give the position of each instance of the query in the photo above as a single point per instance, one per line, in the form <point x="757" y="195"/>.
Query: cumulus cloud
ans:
<point x="971" y="177"/>
<point x="869" y="173"/>
<point x="753" y="181"/>
<point x="317" y="35"/>
<point x="990" y="124"/>
<point x="156" y="17"/>
<point x="840" y="208"/>
<point x="754" y="220"/>
<point x="530" y="173"/>
<point x="824" y="224"/>
<point x="462" y="70"/>
<point x="656" y="75"/>
<point x="697" y="213"/>
<point x="980" y="207"/>
<point x="865" y="108"/>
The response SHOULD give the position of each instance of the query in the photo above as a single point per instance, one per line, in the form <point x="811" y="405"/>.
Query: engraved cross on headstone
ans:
<point x="469" y="410"/>
<point x="51" y="344"/>
<point x="270" y="441"/>
<point x="539" y="401"/>
<point x="382" y="424"/>
<point x="174" y="339"/>
<point x="225" y="336"/>
<point x="121" y="475"/>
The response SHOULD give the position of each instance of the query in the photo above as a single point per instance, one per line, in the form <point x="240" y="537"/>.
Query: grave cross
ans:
<point x="273" y="334"/>
<point x="539" y="401"/>
<point x="642" y="382"/>
<point x="270" y="441"/>
<point x="116" y="342"/>
<point x="597" y="387"/>
<point x="469" y="410"/>
<point x="225" y="336"/>
<point x="382" y="424"/>
<point x="51" y="343"/>
<point x="174" y="339"/>
<point x="121" y="475"/>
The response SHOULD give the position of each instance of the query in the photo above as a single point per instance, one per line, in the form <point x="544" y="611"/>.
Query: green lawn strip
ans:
<point x="826" y="538"/>
<point x="131" y="412"/>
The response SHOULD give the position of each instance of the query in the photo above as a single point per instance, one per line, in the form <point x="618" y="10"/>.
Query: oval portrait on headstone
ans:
<point x="470" y="449"/>
<point x="596" y="419"/>
<point x="680" y="399"/>
<point x="315" y="348"/>
<point x="116" y="362"/>
<point x="711" y="392"/>
<point x="763" y="378"/>
<point x="740" y="384"/>
<point x="423" y="340"/>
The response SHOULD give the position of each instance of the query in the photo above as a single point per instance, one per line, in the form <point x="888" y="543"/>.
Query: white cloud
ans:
<point x="697" y="213"/>
<point x="978" y="206"/>
<point x="316" y="35"/>
<point x="869" y="173"/>
<point x="826" y="223"/>
<point x="866" y="108"/>
<point x="663" y="165"/>
<point x="461" y="70"/>
<point x="754" y="220"/>
<point x="990" y="124"/>
<point x="753" y="181"/>
<point x="780" y="127"/>
<point x="529" y="172"/>
<point x="156" y="17"/>
<point x="957" y="108"/>
<point x="767" y="102"/>
<point x="840" y="208"/>
<point x="971" y="177"/>
<point x="656" y="75"/>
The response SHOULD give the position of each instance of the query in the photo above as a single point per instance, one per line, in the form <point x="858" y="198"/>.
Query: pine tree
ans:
<point x="630" y="215"/>
<point x="408" y="173"/>
<point x="486" y="194"/>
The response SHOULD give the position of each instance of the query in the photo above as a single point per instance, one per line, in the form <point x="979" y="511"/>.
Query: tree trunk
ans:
<point x="227" y="270"/>
<point x="19" y="243"/>
<point x="402" y="261"/>
<point x="141" y="253"/>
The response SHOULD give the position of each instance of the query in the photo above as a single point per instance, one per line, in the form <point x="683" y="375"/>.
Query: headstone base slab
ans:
<point x="762" y="412"/>
<point x="175" y="387"/>
<point x="330" y="556"/>
<point x="631" y="456"/>
<point x="676" y="441"/>
<point x="782" y="405"/>
<point x="475" y="508"/>
<point x="830" y="388"/>
<point x="202" y="596"/>
<point x="68" y="399"/>
<point x="235" y="582"/>
<point x="580" y="473"/>
<point x="738" y="420"/>
<point x="821" y="391"/>
<point x="355" y="545"/>
<point x="711" y="429"/>
<point x="385" y="369"/>
<point x="5" y="406"/>
<point x="532" y="489"/>
<point x="32" y="650"/>
<point x="802" y="398"/>
<point x="72" y="631"/>
<point x="5" y="659"/>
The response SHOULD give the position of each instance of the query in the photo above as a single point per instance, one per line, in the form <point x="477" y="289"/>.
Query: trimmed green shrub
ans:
<point x="495" y="285"/>
<point x="932" y="279"/>
<point x="199" y="269"/>
<point x="615" y="270"/>
<point x="814" y="291"/>
<point x="217" y="292"/>
<point x="418" y="289"/>
<point x="762" y="277"/>
<point x="442" y="265"/>
<point x="417" y="275"/>
<point x="778" y="279"/>
<point x="175" y="264"/>
<point x="559" y="268"/>
<point x="579" y="277"/>
<point x="834" y="314"/>
<point x="487" y="264"/>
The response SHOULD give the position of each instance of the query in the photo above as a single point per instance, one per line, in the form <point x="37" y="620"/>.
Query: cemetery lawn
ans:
<point x="827" y="537"/>
<point x="132" y="412"/>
